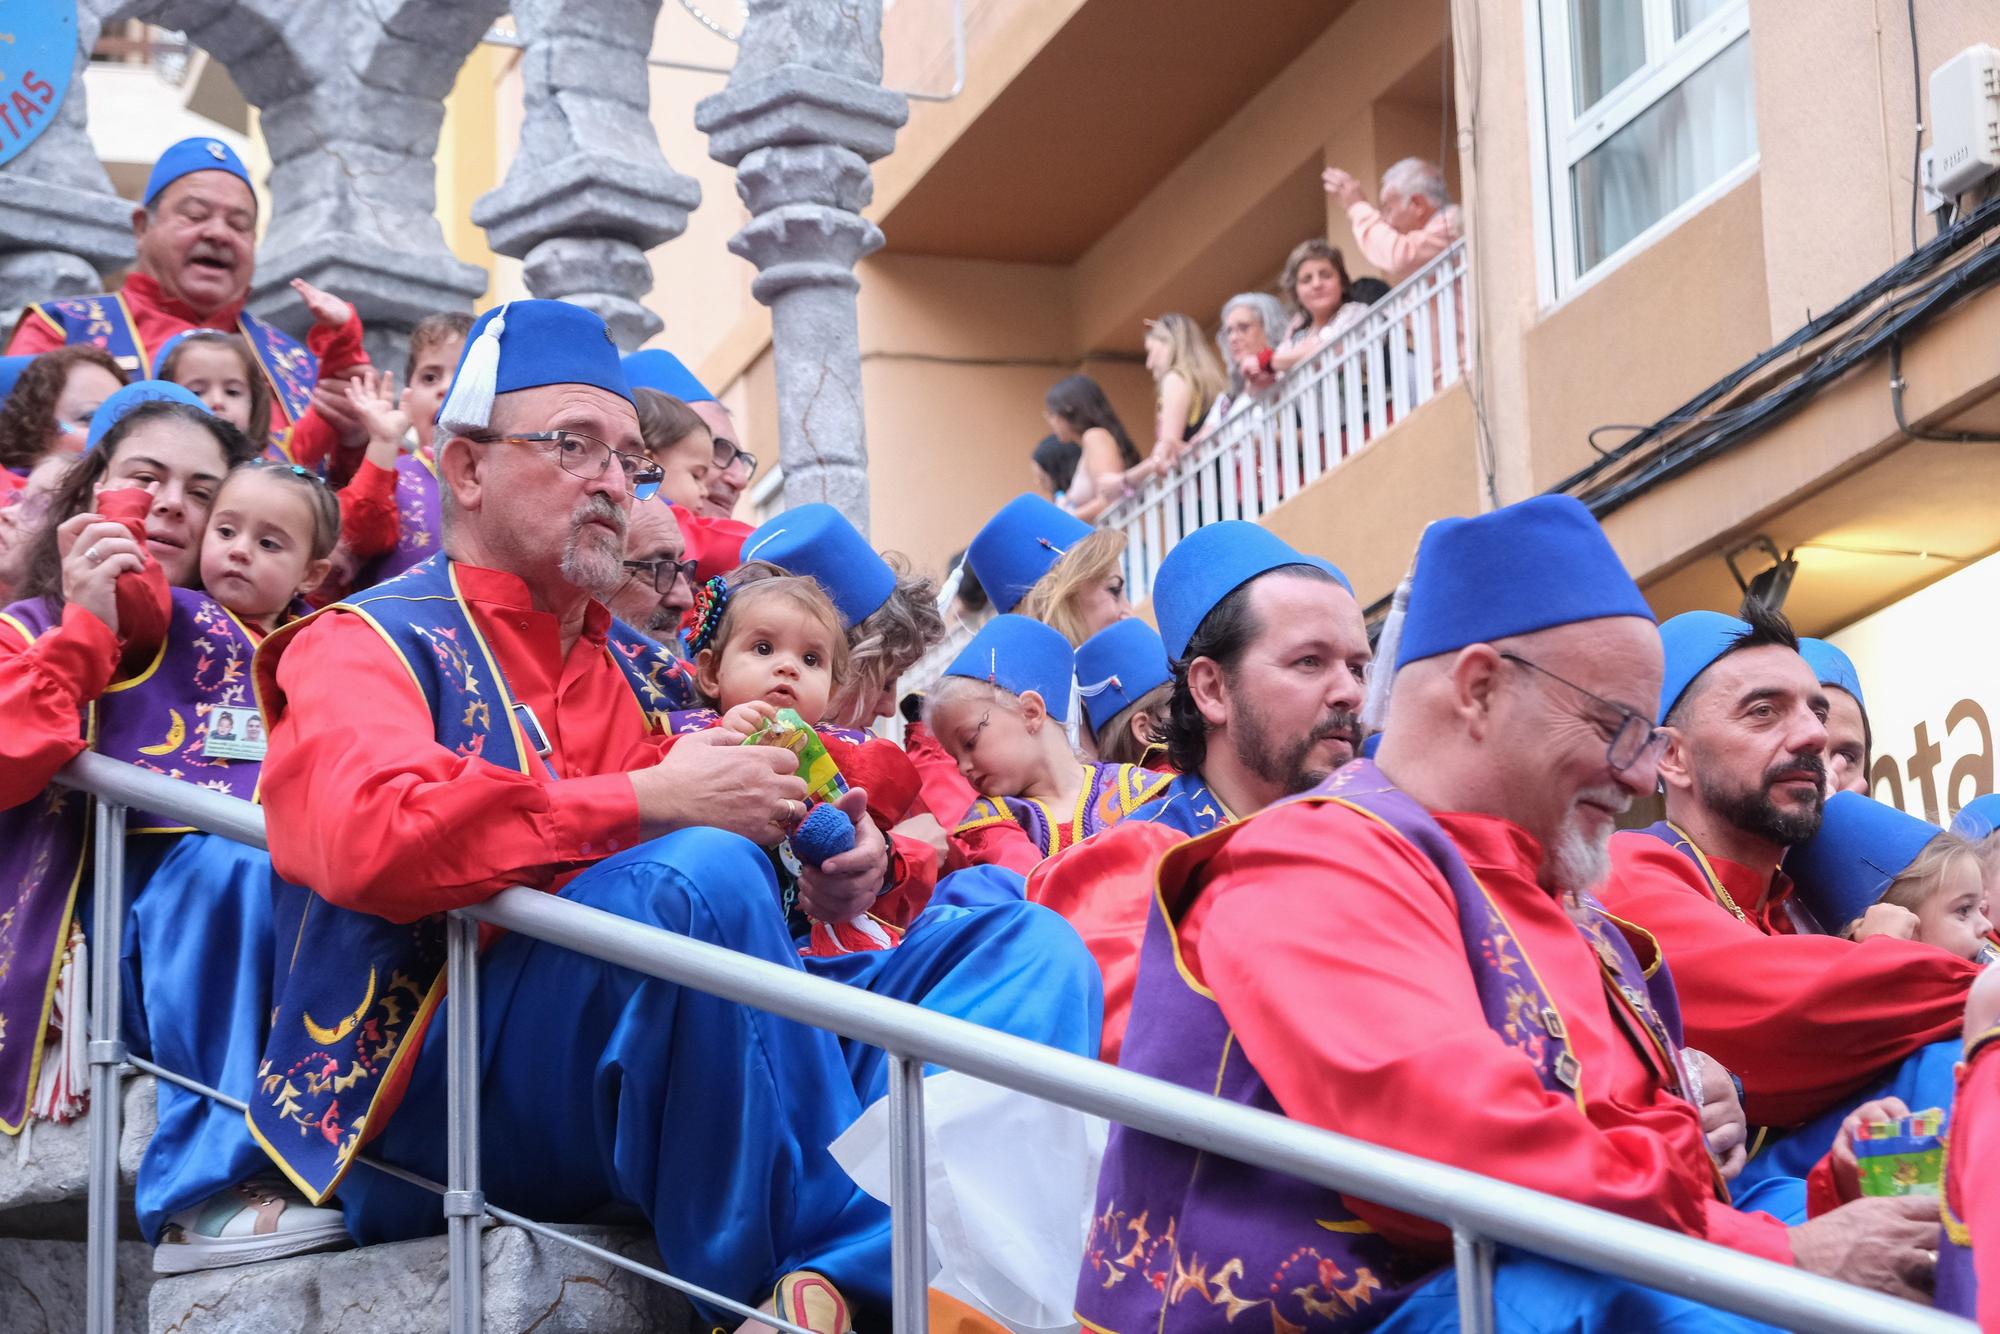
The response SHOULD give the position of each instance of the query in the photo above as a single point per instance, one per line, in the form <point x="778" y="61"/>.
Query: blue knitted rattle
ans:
<point x="825" y="832"/>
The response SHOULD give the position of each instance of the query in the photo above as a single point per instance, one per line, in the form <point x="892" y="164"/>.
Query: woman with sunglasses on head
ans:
<point x="48" y="410"/>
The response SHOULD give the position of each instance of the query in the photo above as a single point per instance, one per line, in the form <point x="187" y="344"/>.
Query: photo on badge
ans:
<point x="234" y="734"/>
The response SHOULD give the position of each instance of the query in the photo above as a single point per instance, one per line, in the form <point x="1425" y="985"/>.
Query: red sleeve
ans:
<point x="144" y="600"/>
<point x="1803" y="1021"/>
<point x="716" y="545"/>
<point x="1001" y="843"/>
<point x="33" y="336"/>
<point x="1314" y="913"/>
<point x="1975" y="1139"/>
<point x="1103" y="886"/>
<point x="43" y="691"/>
<point x="913" y="874"/>
<point x="1823" y="1193"/>
<point x="368" y="519"/>
<point x="368" y="810"/>
<point x="338" y="346"/>
<point x="946" y="793"/>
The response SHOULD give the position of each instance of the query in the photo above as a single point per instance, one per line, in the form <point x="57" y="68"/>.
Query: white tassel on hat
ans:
<point x="470" y="404"/>
<point x="1382" y="670"/>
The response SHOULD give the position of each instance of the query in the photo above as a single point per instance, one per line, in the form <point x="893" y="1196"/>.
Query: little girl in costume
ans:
<point x="269" y="542"/>
<point x="999" y="711"/>
<point x="1871" y="869"/>
<point x="763" y="640"/>
<point x="1035" y="558"/>
<point x="1124" y="680"/>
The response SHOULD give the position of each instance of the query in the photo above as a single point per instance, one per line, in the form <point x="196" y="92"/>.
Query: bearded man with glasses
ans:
<point x="658" y="587"/>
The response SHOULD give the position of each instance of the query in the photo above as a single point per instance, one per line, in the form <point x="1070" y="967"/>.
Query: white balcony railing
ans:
<point x="1409" y="349"/>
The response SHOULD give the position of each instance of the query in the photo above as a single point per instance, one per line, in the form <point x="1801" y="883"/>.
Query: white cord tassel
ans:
<point x="470" y="406"/>
<point x="62" y="1093"/>
<point x="1382" y="671"/>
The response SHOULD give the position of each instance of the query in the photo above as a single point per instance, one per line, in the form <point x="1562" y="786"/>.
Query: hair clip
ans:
<point x="711" y="599"/>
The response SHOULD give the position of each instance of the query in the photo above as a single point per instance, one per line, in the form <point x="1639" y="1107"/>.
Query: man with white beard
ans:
<point x="1410" y="954"/>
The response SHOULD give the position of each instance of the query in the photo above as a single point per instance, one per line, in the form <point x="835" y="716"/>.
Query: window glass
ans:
<point x="1607" y="43"/>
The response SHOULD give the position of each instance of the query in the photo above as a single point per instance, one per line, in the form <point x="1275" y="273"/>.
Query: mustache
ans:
<point x="1341" y="725"/>
<point x="1795" y="766"/>
<point x="208" y="250"/>
<point x="597" y="508"/>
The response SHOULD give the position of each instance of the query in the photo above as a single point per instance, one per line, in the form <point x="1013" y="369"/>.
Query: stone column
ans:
<point x="62" y="226"/>
<point x="589" y="192"/>
<point x="351" y="99"/>
<point x="803" y="115"/>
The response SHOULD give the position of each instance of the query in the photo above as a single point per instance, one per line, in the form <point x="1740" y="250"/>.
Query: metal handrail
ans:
<point x="1481" y="1211"/>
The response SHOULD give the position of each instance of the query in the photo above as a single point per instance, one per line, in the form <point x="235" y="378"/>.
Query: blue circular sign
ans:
<point x="37" y="56"/>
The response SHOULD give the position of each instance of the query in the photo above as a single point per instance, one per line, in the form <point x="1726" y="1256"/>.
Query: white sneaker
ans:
<point x="263" y="1219"/>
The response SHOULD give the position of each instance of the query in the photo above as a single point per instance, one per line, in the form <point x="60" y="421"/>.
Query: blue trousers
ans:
<point x="197" y="992"/>
<point x="1922" y="1079"/>
<point x="603" y="1090"/>
<point x="1533" y="1295"/>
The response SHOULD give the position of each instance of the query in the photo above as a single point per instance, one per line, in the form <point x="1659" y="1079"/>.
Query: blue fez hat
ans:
<point x="658" y="369"/>
<point x="1978" y="818"/>
<point x="1370" y="744"/>
<point x="525" y="345"/>
<point x="1208" y="565"/>
<point x="817" y="541"/>
<point x="1694" y="640"/>
<point x="1861" y="846"/>
<point x="1525" y="567"/>
<point x="188" y="157"/>
<point x="10" y="371"/>
<point x="1019" y="654"/>
<point x="1019" y="545"/>
<point x="1833" y="668"/>
<point x="1116" y="667"/>
<point x="114" y="408"/>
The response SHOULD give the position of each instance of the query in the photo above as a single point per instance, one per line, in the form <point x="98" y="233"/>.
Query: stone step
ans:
<point x="41" y="1286"/>
<point x="531" y="1283"/>
<point x="43" y="1195"/>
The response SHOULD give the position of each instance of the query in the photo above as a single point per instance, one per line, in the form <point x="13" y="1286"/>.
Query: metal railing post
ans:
<point x="464" y="1202"/>
<point x="1473" y="1258"/>
<point x="107" y="1053"/>
<point x="909" y="1246"/>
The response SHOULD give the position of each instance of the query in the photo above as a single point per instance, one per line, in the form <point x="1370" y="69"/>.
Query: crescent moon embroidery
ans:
<point x="326" y="1037"/>
<point x="176" y="734"/>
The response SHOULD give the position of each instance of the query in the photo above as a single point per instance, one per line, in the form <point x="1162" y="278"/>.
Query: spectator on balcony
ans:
<point x="1052" y="468"/>
<point x="48" y="411"/>
<point x="1317" y="288"/>
<point x="1187" y="380"/>
<point x="1079" y="414"/>
<point x="1416" y="223"/>
<point x="1252" y="323"/>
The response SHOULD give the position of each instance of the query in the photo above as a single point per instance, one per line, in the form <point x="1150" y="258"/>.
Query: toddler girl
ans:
<point x="999" y="711"/>
<point x="1123" y="678"/>
<point x="763" y="640"/>
<point x="217" y="368"/>
<point x="269" y="542"/>
<point x="1873" y="870"/>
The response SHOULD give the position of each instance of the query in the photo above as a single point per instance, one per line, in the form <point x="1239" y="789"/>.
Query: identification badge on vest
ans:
<point x="235" y="734"/>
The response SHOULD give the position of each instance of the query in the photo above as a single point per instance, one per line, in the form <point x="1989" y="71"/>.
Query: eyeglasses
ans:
<point x="663" y="573"/>
<point x="740" y="456"/>
<point x="1636" y="734"/>
<point x="588" y="457"/>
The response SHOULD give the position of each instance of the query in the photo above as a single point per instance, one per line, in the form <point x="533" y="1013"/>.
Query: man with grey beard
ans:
<point x="1811" y="1023"/>
<point x="1410" y="954"/>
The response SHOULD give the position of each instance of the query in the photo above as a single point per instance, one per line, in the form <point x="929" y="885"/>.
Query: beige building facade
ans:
<point x="1656" y="193"/>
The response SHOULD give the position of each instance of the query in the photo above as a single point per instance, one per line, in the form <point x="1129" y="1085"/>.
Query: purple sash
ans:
<point x="158" y="720"/>
<point x="1110" y="793"/>
<point x="1183" y="1243"/>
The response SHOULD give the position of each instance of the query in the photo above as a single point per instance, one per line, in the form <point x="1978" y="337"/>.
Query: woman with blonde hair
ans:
<point x="1034" y="558"/>
<point x="1187" y="379"/>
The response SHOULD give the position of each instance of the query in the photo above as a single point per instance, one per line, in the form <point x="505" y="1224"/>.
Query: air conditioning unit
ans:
<point x="1965" y="121"/>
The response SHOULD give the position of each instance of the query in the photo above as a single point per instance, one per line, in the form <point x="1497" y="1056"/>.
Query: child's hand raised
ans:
<point x="326" y="308"/>
<point x="748" y="716"/>
<point x="373" y="394"/>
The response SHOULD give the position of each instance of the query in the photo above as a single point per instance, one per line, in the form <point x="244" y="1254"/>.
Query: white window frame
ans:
<point x="1558" y="140"/>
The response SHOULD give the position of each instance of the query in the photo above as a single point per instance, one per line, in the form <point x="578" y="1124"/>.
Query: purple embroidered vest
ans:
<point x="1110" y="793"/>
<point x="158" y="720"/>
<point x="1183" y="1243"/>
<point x="419" y="519"/>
